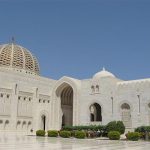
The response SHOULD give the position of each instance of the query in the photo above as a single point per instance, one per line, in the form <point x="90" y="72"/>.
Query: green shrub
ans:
<point x="144" y="132"/>
<point x="52" y="133"/>
<point x="121" y="127"/>
<point x="40" y="133"/>
<point x="80" y="134"/>
<point x="65" y="134"/>
<point x="87" y="134"/>
<point x="114" y="135"/>
<point x="115" y="126"/>
<point x="73" y="133"/>
<point x="133" y="136"/>
<point x="143" y="129"/>
<point x="90" y="127"/>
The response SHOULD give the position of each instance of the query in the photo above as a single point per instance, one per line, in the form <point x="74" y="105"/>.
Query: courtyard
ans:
<point x="12" y="141"/>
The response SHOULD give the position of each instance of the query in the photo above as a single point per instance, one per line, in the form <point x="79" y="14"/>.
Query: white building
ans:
<point x="30" y="101"/>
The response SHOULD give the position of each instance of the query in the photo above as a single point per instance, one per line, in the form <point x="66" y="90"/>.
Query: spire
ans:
<point x="104" y="69"/>
<point x="13" y="39"/>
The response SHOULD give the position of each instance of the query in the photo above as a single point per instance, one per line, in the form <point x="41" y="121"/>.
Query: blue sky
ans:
<point x="78" y="37"/>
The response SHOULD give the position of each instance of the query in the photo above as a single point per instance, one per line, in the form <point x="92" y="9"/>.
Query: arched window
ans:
<point x="18" y="126"/>
<point x="126" y="114"/>
<point x="125" y="106"/>
<point x="92" y="88"/>
<point x="97" y="88"/>
<point x="2" y="94"/>
<point x="8" y="95"/>
<point x="95" y="112"/>
<point x="7" y="122"/>
<point x="29" y="126"/>
<point x="6" y="125"/>
<point x="24" y="125"/>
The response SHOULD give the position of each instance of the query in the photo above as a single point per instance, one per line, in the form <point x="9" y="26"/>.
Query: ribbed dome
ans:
<point x="102" y="74"/>
<point x="16" y="57"/>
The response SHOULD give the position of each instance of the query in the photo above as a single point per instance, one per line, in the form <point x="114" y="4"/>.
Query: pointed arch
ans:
<point x="95" y="112"/>
<point x="65" y="89"/>
<point x="125" y="111"/>
<point x="74" y="83"/>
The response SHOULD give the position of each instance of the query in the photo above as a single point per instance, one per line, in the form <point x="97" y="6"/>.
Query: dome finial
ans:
<point x="102" y="74"/>
<point x="13" y="39"/>
<point x="104" y="69"/>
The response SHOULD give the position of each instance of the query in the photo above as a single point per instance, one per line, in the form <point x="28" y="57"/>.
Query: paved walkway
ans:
<point x="20" y="142"/>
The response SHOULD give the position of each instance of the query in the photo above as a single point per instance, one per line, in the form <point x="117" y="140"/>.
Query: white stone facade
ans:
<point x="31" y="102"/>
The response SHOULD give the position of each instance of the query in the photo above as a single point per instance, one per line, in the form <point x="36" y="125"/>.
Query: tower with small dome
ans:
<point x="103" y="74"/>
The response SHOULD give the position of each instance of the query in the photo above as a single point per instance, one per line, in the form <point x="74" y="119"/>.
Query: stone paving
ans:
<point x="21" y="142"/>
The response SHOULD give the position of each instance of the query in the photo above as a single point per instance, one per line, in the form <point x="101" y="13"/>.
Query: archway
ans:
<point x="126" y="114"/>
<point x="66" y="98"/>
<point x="24" y="125"/>
<point x="6" y="125"/>
<point x="61" y="84"/>
<point x="43" y="122"/>
<point x="18" y="126"/>
<point x="29" y="126"/>
<point x="95" y="112"/>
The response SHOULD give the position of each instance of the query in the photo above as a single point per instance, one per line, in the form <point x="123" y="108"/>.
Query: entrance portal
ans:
<point x="95" y="112"/>
<point x="43" y="118"/>
<point x="67" y="105"/>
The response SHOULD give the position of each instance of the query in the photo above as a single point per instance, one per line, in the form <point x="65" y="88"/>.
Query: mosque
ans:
<point x="29" y="102"/>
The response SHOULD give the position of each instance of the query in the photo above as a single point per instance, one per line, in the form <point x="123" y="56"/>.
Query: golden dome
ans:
<point x="18" y="58"/>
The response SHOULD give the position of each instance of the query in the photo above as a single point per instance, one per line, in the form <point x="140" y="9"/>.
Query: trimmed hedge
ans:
<point x="92" y="128"/>
<point x="142" y="129"/>
<point x="65" y="134"/>
<point x="133" y="136"/>
<point x="80" y="134"/>
<point x="40" y="133"/>
<point x="103" y="129"/>
<point x="52" y="133"/>
<point x="115" y="126"/>
<point x="114" y="135"/>
<point x="79" y="128"/>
